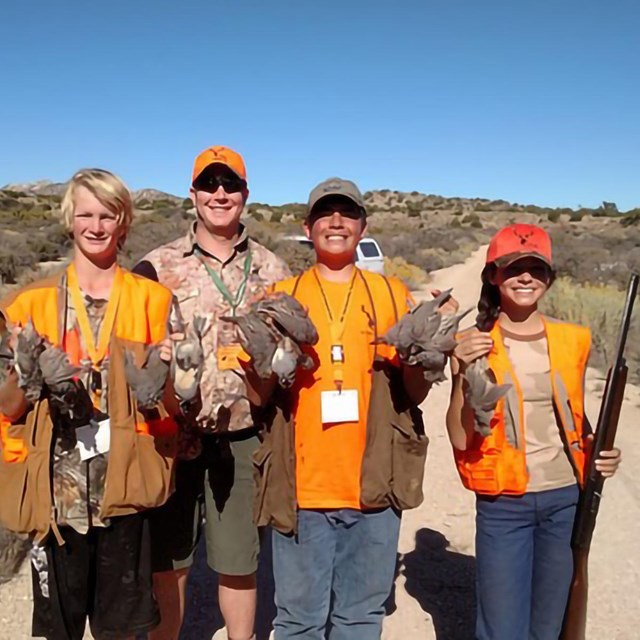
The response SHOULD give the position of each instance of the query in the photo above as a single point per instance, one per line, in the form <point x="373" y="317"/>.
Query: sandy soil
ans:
<point x="433" y="597"/>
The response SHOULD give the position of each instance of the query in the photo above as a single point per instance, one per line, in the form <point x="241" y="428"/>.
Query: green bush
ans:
<point x="576" y="216"/>
<point x="554" y="216"/>
<point x="473" y="220"/>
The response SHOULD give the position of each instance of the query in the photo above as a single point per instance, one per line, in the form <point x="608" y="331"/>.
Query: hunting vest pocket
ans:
<point x="409" y="455"/>
<point x="24" y="466"/>
<point x="139" y="473"/>
<point x="261" y="466"/>
<point x="138" y="477"/>
<point x="494" y="471"/>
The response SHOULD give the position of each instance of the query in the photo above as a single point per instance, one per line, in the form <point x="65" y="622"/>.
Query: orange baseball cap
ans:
<point x="219" y="155"/>
<point x="518" y="241"/>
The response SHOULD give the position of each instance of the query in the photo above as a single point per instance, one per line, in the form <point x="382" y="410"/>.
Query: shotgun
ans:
<point x="575" y="617"/>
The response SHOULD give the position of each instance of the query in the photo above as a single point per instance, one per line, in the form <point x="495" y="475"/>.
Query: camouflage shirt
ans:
<point x="78" y="486"/>
<point x="180" y="266"/>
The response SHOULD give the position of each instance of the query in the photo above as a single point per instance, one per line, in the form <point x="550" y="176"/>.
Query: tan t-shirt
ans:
<point x="547" y="461"/>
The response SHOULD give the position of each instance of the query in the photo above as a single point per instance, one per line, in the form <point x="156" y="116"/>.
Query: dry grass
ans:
<point x="600" y="308"/>
<point x="414" y="277"/>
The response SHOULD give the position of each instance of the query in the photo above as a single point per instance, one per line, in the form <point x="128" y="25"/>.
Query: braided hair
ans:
<point x="489" y="303"/>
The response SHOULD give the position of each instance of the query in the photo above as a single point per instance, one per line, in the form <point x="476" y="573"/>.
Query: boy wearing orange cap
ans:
<point x="214" y="271"/>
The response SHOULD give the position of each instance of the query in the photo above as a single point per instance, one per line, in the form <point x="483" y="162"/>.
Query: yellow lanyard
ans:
<point x="336" y="328"/>
<point x="95" y="353"/>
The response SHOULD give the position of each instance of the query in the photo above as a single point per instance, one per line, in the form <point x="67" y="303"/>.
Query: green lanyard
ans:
<point x="233" y="301"/>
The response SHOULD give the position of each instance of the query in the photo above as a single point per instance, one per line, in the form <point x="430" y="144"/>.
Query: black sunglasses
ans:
<point x="212" y="182"/>
<point x="345" y="208"/>
<point x="535" y="268"/>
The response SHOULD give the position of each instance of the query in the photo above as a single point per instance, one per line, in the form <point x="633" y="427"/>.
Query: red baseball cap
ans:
<point x="219" y="155"/>
<point x="518" y="241"/>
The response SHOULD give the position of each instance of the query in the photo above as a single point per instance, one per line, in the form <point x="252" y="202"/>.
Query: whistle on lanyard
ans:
<point x="337" y="362"/>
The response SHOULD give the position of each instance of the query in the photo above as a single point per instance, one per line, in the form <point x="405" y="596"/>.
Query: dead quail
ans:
<point x="147" y="382"/>
<point x="482" y="394"/>
<point x="425" y="337"/>
<point x="288" y="316"/>
<point x="6" y="352"/>
<point x="176" y="321"/>
<point x="258" y="339"/>
<point x="29" y="346"/>
<point x="188" y="358"/>
<point x="286" y="359"/>
<point x="60" y="377"/>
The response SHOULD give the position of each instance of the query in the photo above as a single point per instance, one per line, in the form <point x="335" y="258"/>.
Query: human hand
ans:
<point x="471" y="345"/>
<point x="608" y="461"/>
<point x="166" y="346"/>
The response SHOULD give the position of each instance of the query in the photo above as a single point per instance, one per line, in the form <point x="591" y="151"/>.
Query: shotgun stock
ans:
<point x="575" y="619"/>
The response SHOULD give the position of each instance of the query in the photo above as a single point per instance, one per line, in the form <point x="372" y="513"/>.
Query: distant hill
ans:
<point x="49" y="188"/>
<point x="38" y="188"/>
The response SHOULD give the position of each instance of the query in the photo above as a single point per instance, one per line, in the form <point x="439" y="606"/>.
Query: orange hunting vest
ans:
<point x="141" y="455"/>
<point x="496" y="464"/>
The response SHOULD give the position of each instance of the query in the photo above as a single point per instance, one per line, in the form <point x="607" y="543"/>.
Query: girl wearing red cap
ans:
<point x="525" y="459"/>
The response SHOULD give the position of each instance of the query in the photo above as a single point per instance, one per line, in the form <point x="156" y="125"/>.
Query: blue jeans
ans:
<point x="524" y="564"/>
<point x="333" y="578"/>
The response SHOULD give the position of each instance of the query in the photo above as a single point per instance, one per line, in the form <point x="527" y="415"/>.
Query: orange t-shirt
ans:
<point x="329" y="457"/>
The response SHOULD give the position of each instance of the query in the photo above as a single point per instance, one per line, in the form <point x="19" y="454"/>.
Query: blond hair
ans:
<point x="110" y="190"/>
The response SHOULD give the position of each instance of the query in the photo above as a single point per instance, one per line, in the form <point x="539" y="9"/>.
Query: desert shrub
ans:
<point x="149" y="232"/>
<point x="594" y="256"/>
<point x="472" y="219"/>
<point x="414" y="277"/>
<point x="14" y="258"/>
<point x="630" y="218"/>
<point x="554" y="216"/>
<point x="414" y="209"/>
<point x="576" y="216"/>
<point x="299" y="257"/>
<point x="187" y="204"/>
<point x="600" y="308"/>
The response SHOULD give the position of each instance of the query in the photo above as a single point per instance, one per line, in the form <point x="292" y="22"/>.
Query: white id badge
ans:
<point x="339" y="406"/>
<point x="93" y="439"/>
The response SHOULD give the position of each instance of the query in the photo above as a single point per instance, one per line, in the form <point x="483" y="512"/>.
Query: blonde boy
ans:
<point x="80" y="459"/>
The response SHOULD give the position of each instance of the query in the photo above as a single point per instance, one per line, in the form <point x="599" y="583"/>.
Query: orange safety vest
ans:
<point x="496" y="464"/>
<point x="140" y="464"/>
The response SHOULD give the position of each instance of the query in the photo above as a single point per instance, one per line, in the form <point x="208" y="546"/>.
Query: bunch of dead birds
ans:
<point x="273" y="332"/>
<point x="40" y="365"/>
<point x="426" y="337"/>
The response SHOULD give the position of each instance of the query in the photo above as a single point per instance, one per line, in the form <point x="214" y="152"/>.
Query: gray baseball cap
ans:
<point x="335" y="187"/>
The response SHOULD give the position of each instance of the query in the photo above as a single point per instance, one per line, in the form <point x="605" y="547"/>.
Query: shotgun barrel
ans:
<point x="575" y="620"/>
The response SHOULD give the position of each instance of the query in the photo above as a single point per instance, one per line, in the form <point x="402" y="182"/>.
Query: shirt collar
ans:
<point x="191" y="244"/>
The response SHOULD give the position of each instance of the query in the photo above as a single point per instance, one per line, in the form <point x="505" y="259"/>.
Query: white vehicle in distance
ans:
<point x="369" y="255"/>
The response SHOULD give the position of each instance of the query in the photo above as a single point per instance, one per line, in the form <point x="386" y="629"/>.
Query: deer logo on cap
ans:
<point x="524" y="237"/>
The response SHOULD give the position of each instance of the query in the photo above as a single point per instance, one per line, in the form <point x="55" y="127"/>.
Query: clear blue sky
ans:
<point x="530" y="101"/>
